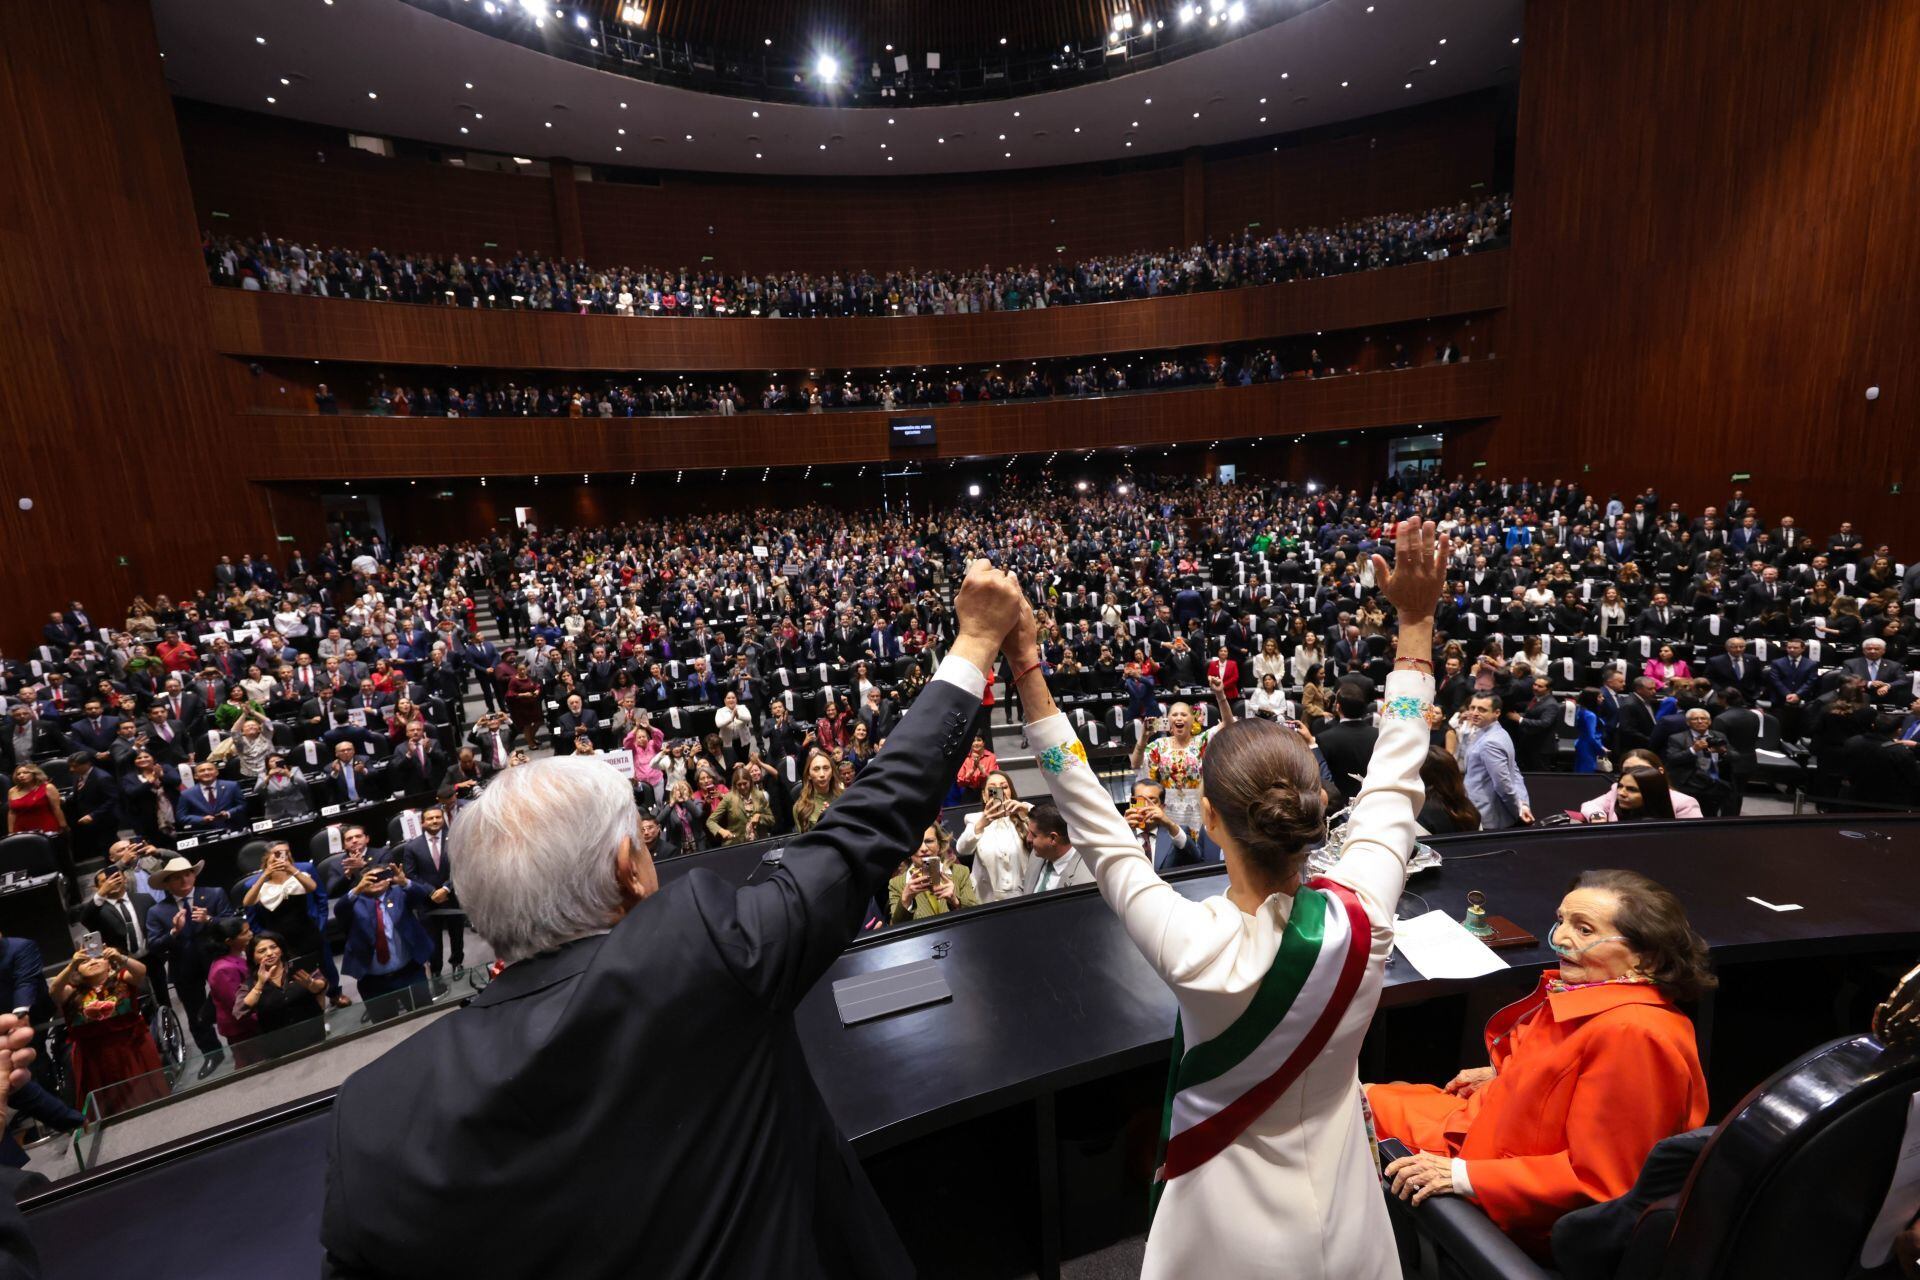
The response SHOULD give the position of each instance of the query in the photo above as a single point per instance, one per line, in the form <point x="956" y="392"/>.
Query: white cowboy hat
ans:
<point x="175" y="866"/>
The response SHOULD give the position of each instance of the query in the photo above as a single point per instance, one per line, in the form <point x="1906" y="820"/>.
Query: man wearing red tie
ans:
<point x="386" y="947"/>
<point x="425" y="860"/>
<point x="419" y="763"/>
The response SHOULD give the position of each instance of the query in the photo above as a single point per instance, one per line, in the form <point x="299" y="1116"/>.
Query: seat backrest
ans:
<point x="28" y="852"/>
<point x="252" y="856"/>
<point x="1795" y="1175"/>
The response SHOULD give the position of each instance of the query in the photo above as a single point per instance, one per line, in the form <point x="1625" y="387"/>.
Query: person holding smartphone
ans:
<point x="108" y="1044"/>
<point x="931" y="883"/>
<point x="387" y="947"/>
<point x="996" y="839"/>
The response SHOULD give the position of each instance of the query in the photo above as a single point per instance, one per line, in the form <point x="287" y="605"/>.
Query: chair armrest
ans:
<point x="1460" y="1231"/>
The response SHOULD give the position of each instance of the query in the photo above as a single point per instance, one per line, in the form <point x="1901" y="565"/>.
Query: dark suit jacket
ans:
<point x="1348" y="747"/>
<point x="701" y="974"/>
<point x="331" y="790"/>
<point x="112" y="929"/>
<point x="25" y="987"/>
<point x="83" y="732"/>
<point x="414" y="860"/>
<point x="409" y="778"/>
<point x="182" y="950"/>
<point x="196" y="814"/>
<point x="1720" y="673"/>
<point x="98" y="797"/>
<point x="1785" y="677"/>
<point x="357" y="910"/>
<point x="1636" y="724"/>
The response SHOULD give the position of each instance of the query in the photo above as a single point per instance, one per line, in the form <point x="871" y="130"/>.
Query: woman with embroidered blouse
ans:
<point x="1266" y="1166"/>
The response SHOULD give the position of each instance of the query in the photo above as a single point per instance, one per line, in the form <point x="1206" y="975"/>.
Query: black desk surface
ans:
<point x="1048" y="993"/>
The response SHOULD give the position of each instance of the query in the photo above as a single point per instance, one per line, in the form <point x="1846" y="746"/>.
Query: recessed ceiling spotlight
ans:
<point x="756" y="115"/>
<point x="1003" y="137"/>
<point x="1285" y="74"/>
<point x="463" y="128"/>
<point x="263" y="40"/>
<point x="756" y="155"/>
<point x="943" y="142"/>
<point x="617" y="148"/>
<point x="270" y="98"/>
<point x="1443" y="39"/>
<point x="1263" y="119"/>
<point x="889" y="159"/>
<point x="1516" y="39"/>
<point x="1433" y="62"/>
<point x="1343" y="84"/>
<point x="1003" y="39"/>
<point x="823" y="146"/>
<point x="1009" y="155"/>
<point x="478" y="116"/>
<point x="548" y="123"/>
<point x="1196" y="115"/>
<point x="689" y="137"/>
<point x="1276" y="148"/>
<point x="1149" y="101"/>
<point x="1016" y="115"/>
<point x="769" y="40"/>
<point x="623" y="106"/>
<point x="889" y="48"/>
<point x="1263" y="102"/>
<point x="284" y="80"/>
<point x="1076" y="128"/>
<point x="469" y="84"/>
<point x="372" y="94"/>
<point x="889" y="119"/>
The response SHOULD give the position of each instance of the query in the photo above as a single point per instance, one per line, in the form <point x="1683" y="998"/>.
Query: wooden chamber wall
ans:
<point x="1717" y="251"/>
<point x="267" y="175"/>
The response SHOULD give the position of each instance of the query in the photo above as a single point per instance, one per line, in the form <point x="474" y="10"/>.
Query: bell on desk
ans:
<point x="1475" y="921"/>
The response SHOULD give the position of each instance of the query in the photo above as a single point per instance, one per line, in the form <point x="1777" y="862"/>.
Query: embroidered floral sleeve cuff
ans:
<point x="1055" y="745"/>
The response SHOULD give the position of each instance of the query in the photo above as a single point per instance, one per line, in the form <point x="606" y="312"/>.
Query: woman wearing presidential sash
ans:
<point x="1267" y="1166"/>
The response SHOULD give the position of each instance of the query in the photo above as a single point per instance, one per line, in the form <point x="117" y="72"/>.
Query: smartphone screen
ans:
<point x="93" y="945"/>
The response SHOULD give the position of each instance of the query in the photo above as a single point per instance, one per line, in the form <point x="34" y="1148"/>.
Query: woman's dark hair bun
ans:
<point x="1284" y="819"/>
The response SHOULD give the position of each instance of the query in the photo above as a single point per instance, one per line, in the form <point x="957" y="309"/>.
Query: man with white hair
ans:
<point x="1881" y="673"/>
<point x="629" y="1096"/>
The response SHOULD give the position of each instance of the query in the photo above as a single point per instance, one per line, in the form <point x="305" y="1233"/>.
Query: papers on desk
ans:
<point x="1439" y="947"/>
<point x="1903" y="1196"/>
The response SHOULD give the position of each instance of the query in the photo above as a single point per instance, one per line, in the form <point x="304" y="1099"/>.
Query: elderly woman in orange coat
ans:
<point x="1588" y="1072"/>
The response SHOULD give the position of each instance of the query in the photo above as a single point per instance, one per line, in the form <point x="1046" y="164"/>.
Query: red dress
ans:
<point x="109" y="1045"/>
<point x="33" y="811"/>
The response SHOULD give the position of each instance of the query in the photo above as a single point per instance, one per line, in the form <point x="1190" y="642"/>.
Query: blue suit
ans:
<point x="20" y="978"/>
<point x="185" y="960"/>
<point x="1787" y="675"/>
<point x="359" y="911"/>
<point x="1493" y="779"/>
<point x="1588" y="745"/>
<point x="196" y="812"/>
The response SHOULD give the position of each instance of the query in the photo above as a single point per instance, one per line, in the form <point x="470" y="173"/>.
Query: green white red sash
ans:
<point x="1216" y="1089"/>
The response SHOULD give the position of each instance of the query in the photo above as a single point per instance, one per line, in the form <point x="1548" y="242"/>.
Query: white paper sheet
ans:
<point x="1903" y="1196"/>
<point x="1439" y="947"/>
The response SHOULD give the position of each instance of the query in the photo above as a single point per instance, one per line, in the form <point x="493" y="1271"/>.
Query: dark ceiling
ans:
<point x="863" y="28"/>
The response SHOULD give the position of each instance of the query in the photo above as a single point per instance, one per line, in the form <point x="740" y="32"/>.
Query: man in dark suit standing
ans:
<point x="417" y="763"/>
<point x="1636" y="715"/>
<point x="118" y="913"/>
<point x="211" y="804"/>
<point x="614" y="968"/>
<point x="174" y="927"/>
<point x="1792" y="679"/>
<point x="424" y="859"/>
<point x="1882" y="674"/>
<point x="94" y="730"/>
<point x="1735" y="669"/>
<point x="349" y="781"/>
<point x="1348" y="745"/>
<point x="92" y="807"/>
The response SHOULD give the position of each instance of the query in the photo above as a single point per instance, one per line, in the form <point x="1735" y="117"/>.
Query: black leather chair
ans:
<point x="29" y="852"/>
<point x="1788" y="1185"/>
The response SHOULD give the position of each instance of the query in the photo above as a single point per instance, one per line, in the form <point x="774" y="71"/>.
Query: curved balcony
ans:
<point x="246" y="323"/>
<point x="312" y="447"/>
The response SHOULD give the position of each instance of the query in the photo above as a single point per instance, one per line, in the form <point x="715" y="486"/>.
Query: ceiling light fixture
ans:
<point x="271" y="99"/>
<point x="827" y="67"/>
<point x="284" y="80"/>
<point x="463" y="128"/>
<point x="372" y="94"/>
<point x="263" y="40"/>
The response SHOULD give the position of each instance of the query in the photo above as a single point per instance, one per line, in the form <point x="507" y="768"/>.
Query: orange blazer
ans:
<point x="1589" y="1080"/>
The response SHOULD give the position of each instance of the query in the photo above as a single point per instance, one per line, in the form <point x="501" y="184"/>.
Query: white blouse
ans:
<point x="734" y="725"/>
<point x="1000" y="858"/>
<point x="1305" y="659"/>
<point x="1265" y="665"/>
<point x="1297" y="1193"/>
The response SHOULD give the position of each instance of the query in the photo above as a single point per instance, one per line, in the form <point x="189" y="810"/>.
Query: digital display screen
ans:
<point x="911" y="432"/>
